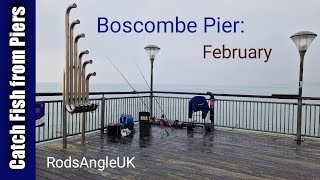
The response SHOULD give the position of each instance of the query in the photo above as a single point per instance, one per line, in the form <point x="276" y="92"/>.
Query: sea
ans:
<point x="309" y="90"/>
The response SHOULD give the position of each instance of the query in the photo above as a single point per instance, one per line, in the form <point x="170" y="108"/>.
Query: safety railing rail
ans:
<point x="276" y="113"/>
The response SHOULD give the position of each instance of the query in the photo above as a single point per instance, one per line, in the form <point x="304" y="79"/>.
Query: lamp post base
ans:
<point x="298" y="141"/>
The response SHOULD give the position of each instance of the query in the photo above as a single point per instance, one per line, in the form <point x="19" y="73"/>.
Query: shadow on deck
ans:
<point x="222" y="154"/>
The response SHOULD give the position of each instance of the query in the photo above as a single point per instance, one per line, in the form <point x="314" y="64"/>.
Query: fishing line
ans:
<point x="129" y="85"/>
<point x="138" y="94"/>
<point x="162" y="111"/>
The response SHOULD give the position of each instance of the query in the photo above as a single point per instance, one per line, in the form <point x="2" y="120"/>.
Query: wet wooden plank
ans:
<point x="40" y="172"/>
<point x="182" y="155"/>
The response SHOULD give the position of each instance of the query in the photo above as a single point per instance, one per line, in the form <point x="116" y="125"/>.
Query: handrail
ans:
<point x="250" y="112"/>
<point x="274" y="96"/>
<point x="96" y="93"/>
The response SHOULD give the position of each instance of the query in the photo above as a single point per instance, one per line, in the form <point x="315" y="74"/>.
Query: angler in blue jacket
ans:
<point x="198" y="103"/>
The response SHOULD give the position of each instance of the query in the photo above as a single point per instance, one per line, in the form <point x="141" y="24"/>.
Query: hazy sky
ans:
<point x="268" y="24"/>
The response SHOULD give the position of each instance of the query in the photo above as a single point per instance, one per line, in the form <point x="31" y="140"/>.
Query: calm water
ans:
<point x="308" y="89"/>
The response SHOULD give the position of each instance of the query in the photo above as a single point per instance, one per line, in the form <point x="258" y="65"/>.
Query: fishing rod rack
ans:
<point x="76" y="82"/>
<point x="75" y="79"/>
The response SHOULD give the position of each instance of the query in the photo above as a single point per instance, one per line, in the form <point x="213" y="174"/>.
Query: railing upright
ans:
<point x="103" y="100"/>
<point x="211" y="109"/>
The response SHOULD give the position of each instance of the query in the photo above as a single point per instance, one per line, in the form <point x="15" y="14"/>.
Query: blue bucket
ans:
<point x="126" y="121"/>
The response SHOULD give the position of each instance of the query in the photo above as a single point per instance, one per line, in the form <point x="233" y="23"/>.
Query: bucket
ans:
<point x="126" y="121"/>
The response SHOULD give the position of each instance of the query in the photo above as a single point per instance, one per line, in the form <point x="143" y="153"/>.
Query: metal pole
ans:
<point x="212" y="110"/>
<point x="83" y="129"/>
<point x="71" y="62"/>
<point x="87" y="86"/>
<point x="80" y="79"/>
<point x="83" y="88"/>
<point x="299" y="113"/>
<point x="66" y="75"/>
<point x="151" y="92"/>
<point x="77" y="96"/>
<point x="64" y="120"/>
<point x="102" y="114"/>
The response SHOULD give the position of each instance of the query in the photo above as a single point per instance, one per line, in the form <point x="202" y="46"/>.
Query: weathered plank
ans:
<point x="222" y="154"/>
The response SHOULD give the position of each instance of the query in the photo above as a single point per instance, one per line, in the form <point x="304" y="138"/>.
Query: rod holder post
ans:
<point x="64" y="118"/>
<point x="83" y="128"/>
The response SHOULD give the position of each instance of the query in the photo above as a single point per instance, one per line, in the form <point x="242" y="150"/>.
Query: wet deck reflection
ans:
<point x="181" y="155"/>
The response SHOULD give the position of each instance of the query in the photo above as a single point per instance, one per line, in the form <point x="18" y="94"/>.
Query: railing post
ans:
<point x="102" y="114"/>
<point x="211" y="109"/>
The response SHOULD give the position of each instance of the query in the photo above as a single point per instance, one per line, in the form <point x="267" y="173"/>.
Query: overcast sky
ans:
<point x="268" y="24"/>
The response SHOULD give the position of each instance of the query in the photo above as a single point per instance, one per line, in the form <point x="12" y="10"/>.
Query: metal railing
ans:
<point x="275" y="114"/>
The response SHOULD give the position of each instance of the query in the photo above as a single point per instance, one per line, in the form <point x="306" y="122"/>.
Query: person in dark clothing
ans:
<point x="198" y="103"/>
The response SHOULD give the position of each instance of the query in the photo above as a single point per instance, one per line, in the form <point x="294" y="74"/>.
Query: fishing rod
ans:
<point x="135" y="91"/>
<point x="129" y="84"/>
<point x="162" y="111"/>
<point x="161" y="122"/>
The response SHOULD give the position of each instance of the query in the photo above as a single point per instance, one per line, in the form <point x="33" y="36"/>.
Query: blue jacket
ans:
<point x="198" y="103"/>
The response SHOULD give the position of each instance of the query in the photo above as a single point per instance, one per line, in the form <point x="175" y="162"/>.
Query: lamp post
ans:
<point x="302" y="40"/>
<point x="152" y="51"/>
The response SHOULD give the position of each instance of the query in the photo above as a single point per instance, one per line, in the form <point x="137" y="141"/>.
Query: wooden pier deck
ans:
<point x="222" y="154"/>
